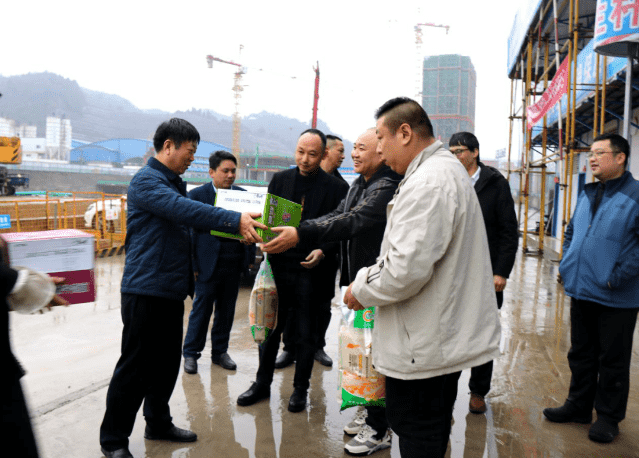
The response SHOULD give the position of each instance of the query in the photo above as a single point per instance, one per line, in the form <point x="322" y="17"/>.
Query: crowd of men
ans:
<point x="426" y="235"/>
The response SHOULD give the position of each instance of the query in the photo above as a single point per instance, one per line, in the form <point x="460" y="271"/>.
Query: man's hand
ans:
<point x="287" y="239"/>
<point x="350" y="300"/>
<point x="500" y="283"/>
<point x="313" y="259"/>
<point x="248" y="225"/>
<point x="57" y="300"/>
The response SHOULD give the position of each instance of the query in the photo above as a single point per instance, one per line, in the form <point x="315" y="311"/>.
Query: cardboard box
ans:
<point x="67" y="253"/>
<point x="275" y="210"/>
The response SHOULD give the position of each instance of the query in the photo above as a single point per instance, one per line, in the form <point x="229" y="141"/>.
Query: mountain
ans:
<point x="95" y="116"/>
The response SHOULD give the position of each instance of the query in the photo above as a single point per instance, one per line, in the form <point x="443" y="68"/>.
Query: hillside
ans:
<point x="96" y="116"/>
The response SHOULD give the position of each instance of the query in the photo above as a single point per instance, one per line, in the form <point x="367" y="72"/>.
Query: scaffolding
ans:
<point x="551" y="168"/>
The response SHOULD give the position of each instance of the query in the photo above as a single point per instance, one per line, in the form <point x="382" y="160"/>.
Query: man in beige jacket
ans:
<point x="432" y="285"/>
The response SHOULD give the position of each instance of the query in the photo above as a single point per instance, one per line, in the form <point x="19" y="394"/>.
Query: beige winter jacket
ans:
<point x="432" y="285"/>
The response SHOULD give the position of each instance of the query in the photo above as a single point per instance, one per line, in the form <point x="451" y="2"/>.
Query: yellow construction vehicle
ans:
<point x="10" y="153"/>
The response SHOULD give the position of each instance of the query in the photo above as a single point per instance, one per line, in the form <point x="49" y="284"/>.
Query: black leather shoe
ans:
<point x="567" y="414"/>
<point x="190" y="365"/>
<point x="225" y="361"/>
<point x="173" y="434"/>
<point x="297" y="403"/>
<point x="285" y="359"/>
<point x="322" y="358"/>
<point x="119" y="453"/>
<point x="603" y="431"/>
<point x="255" y="393"/>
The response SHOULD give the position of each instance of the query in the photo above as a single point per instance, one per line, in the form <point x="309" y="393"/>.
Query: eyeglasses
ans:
<point x="598" y="154"/>
<point x="459" y="152"/>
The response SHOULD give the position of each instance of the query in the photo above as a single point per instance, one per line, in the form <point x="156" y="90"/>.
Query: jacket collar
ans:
<point x="421" y="157"/>
<point x="170" y="174"/>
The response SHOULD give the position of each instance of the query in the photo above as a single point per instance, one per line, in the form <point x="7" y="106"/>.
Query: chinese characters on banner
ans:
<point x="551" y="95"/>
<point x="617" y="22"/>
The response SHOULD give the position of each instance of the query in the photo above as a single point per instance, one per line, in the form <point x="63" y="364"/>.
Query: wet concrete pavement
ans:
<point x="70" y="354"/>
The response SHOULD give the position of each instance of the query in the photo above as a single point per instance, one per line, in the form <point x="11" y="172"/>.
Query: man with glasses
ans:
<point x="599" y="270"/>
<point x="498" y="209"/>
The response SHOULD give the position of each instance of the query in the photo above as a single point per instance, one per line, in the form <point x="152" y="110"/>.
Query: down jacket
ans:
<point x="601" y="251"/>
<point x="158" y="255"/>
<point x="432" y="285"/>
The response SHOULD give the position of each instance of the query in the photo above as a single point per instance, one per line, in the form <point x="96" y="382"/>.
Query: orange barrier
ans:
<point x="103" y="215"/>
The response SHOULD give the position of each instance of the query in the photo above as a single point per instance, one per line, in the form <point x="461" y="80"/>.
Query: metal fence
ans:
<point x="103" y="215"/>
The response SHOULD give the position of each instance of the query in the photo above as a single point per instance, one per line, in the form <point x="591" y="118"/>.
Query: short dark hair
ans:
<point x="319" y="133"/>
<point x="618" y="144"/>
<point x="216" y="158"/>
<point x="332" y="138"/>
<point x="402" y="110"/>
<point x="464" y="139"/>
<point x="177" y="130"/>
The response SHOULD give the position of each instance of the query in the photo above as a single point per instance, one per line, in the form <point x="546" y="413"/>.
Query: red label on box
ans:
<point x="78" y="287"/>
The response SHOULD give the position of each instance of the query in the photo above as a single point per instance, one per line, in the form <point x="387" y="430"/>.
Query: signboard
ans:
<point x="616" y="27"/>
<point x="5" y="222"/>
<point x="551" y="95"/>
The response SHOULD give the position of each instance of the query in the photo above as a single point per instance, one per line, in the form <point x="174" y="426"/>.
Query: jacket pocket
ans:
<point x="598" y="257"/>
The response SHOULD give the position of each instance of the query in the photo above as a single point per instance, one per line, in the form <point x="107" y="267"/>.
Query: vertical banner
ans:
<point x="550" y="97"/>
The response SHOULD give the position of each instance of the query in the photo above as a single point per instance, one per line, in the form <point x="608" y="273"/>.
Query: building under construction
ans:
<point x="570" y="64"/>
<point x="448" y="94"/>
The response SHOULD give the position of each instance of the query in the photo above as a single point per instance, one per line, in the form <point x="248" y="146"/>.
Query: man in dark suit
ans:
<point x="218" y="263"/>
<point x="295" y="271"/>
<point x="331" y="162"/>
<point x="498" y="210"/>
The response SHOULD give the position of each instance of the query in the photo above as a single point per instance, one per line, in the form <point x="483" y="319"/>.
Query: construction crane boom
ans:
<point x="237" y="89"/>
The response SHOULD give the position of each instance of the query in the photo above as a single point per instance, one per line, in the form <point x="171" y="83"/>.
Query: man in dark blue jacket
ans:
<point x="218" y="263"/>
<point x="157" y="278"/>
<point x="599" y="270"/>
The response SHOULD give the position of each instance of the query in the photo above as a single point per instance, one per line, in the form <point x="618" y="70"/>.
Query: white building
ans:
<point x="58" y="138"/>
<point x="34" y="149"/>
<point x="7" y="127"/>
<point x="27" y="131"/>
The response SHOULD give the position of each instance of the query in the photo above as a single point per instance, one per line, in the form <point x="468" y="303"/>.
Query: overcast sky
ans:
<point x="153" y="53"/>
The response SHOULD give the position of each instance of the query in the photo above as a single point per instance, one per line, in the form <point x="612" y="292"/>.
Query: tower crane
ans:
<point x="237" y="89"/>
<point x="418" y="44"/>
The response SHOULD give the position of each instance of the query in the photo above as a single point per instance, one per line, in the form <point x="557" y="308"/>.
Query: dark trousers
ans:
<point x="16" y="424"/>
<point x="480" y="376"/>
<point x="222" y="291"/>
<point x="599" y="358"/>
<point x="297" y="307"/>
<point x="376" y="419"/>
<point x="321" y="326"/>
<point x="147" y="369"/>
<point x="420" y="412"/>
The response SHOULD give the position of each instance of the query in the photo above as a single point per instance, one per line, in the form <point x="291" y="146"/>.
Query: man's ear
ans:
<point x="406" y="133"/>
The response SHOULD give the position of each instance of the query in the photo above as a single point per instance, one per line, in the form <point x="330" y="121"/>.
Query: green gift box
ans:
<point x="275" y="210"/>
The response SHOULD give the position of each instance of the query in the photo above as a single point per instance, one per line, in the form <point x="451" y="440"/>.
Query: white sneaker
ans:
<point x="357" y="422"/>
<point x="365" y="443"/>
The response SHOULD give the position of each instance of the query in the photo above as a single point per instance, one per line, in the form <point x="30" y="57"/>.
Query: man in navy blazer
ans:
<point x="218" y="263"/>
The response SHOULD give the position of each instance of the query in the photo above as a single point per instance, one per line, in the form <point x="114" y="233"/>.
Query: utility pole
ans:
<point x="315" y="96"/>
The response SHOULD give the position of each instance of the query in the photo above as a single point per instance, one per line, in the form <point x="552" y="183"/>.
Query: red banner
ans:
<point x="551" y="96"/>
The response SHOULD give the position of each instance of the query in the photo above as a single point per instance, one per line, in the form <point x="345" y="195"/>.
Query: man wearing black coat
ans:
<point x="358" y="223"/>
<point x="296" y="271"/>
<point x="498" y="209"/>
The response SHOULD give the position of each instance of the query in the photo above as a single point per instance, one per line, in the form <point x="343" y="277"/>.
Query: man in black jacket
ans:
<point x="295" y="272"/>
<point x="498" y="208"/>
<point x="358" y="223"/>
